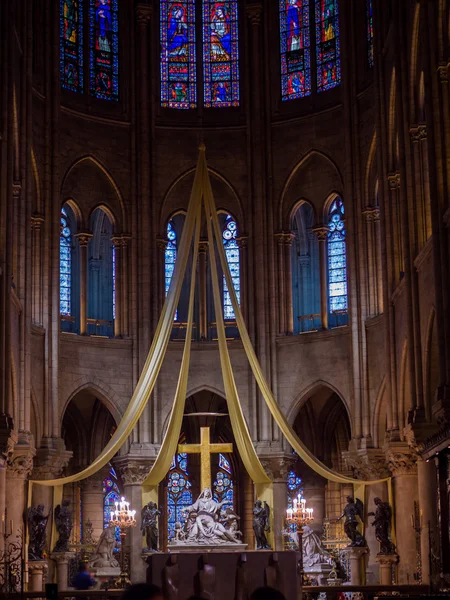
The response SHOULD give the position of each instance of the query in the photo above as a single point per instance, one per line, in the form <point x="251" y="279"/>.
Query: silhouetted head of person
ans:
<point x="143" y="591"/>
<point x="267" y="593"/>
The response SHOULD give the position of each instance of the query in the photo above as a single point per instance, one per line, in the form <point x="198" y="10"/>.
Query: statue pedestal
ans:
<point x="191" y="548"/>
<point x="38" y="572"/>
<point x="385" y="563"/>
<point x="355" y="555"/>
<point x="318" y="574"/>
<point x="62" y="568"/>
<point x="105" y="575"/>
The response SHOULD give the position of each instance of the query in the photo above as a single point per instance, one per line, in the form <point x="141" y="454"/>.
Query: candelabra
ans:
<point x="299" y="516"/>
<point x="123" y="518"/>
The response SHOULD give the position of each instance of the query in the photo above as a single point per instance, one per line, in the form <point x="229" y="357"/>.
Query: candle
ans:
<point x="11" y="524"/>
<point x="112" y="515"/>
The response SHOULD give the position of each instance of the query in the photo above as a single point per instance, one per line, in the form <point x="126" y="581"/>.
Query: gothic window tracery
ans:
<point x="65" y="265"/>
<point x="328" y="53"/>
<point x="223" y="490"/>
<point x="295" y="49"/>
<point x="229" y="236"/>
<point x="179" y="494"/>
<point x="337" y="260"/>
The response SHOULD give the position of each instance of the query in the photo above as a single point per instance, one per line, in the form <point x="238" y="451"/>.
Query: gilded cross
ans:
<point x="205" y="449"/>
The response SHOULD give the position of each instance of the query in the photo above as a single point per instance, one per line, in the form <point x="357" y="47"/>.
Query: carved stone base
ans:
<point x="62" y="568"/>
<point x="105" y="575"/>
<point x="356" y="557"/>
<point x="186" y="548"/>
<point x="318" y="573"/>
<point x="38" y="572"/>
<point x="385" y="563"/>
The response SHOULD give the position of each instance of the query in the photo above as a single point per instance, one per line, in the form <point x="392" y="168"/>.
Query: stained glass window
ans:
<point x="337" y="259"/>
<point x="104" y="49"/>
<point x="179" y="495"/>
<point x="170" y="256"/>
<point x="295" y="49"/>
<point x="369" y="19"/>
<point x="111" y="495"/>
<point x="294" y="488"/>
<point x="71" y="44"/>
<point x="327" y="44"/>
<point x="114" y="280"/>
<point x="229" y="235"/>
<point x="178" y="58"/>
<point x="220" y="53"/>
<point x="65" y="265"/>
<point x="223" y="485"/>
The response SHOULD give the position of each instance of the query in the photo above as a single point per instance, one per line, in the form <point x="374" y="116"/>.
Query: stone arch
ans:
<point x="404" y="388"/>
<point x="306" y="393"/>
<point x="313" y="177"/>
<point x="415" y="35"/>
<point x="37" y="196"/>
<point x="370" y="176"/>
<point x="106" y="394"/>
<point x="392" y="123"/>
<point x="176" y="198"/>
<point x="36" y="419"/>
<point x="90" y="184"/>
<point x="431" y="364"/>
<point x="379" y="415"/>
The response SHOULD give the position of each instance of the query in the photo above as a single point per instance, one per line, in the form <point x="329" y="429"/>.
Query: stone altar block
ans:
<point x="227" y="570"/>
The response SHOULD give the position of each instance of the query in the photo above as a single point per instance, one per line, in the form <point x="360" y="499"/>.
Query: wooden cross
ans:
<point x="205" y="449"/>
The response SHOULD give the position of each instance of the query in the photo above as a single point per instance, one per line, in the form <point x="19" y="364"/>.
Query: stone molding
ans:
<point x="284" y="239"/>
<point x="254" y="13"/>
<point x="278" y="467"/>
<point x="443" y="72"/>
<point x="143" y="13"/>
<point x="133" y="471"/>
<point x="83" y="238"/>
<point x="37" y="221"/>
<point x="367" y="464"/>
<point x="7" y="437"/>
<point x="394" y="181"/>
<point x="321" y="232"/>
<point x="161" y="244"/>
<point x="371" y="214"/>
<point x="418" y="133"/>
<point x="402" y="459"/>
<point x="242" y="241"/>
<point x="20" y="463"/>
<point x="49" y="463"/>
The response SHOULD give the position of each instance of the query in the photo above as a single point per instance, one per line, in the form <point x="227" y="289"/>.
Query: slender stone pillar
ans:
<point x="62" y="568"/>
<point x="242" y="242"/>
<point x="202" y="259"/>
<point x="133" y="472"/>
<point x="92" y="502"/>
<point x="19" y="468"/>
<point x="83" y="240"/>
<point x="356" y="556"/>
<point x="321" y="232"/>
<point x="125" y="288"/>
<point x="117" y="243"/>
<point x="427" y="484"/>
<point x="36" y="225"/>
<point x="288" y="241"/>
<point x="277" y="468"/>
<point x="403" y="466"/>
<point x="38" y="575"/>
<point x="247" y="516"/>
<point x="279" y="239"/>
<point x="385" y="563"/>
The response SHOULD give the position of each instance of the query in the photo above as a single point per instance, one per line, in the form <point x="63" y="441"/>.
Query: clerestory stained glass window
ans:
<point x="327" y="44"/>
<point x="114" y="281"/>
<point x="178" y="54"/>
<point x="337" y="258"/>
<point x="104" y="49"/>
<point x="170" y="257"/>
<point x="229" y="236"/>
<point x="220" y="53"/>
<point x="223" y="485"/>
<point x="65" y="265"/>
<point x="295" y="49"/>
<point x="71" y="44"/>
<point x="369" y="24"/>
<point x="111" y="495"/>
<point x="294" y="488"/>
<point x="179" y="494"/>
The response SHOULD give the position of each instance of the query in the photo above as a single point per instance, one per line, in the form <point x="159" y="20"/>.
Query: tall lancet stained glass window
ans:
<point x="65" y="265"/>
<point x="328" y="50"/>
<point x="220" y="53"/>
<point x="337" y="258"/>
<point x="369" y="25"/>
<point x="111" y="495"/>
<point x="170" y="257"/>
<point x="229" y="235"/>
<point x="104" y="49"/>
<point x="71" y="44"/>
<point x="179" y="494"/>
<point x="223" y="485"/>
<point x="178" y="57"/>
<point x="295" y="49"/>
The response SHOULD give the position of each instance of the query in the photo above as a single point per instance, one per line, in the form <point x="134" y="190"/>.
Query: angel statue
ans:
<point x="149" y="525"/>
<point x="64" y="524"/>
<point x="37" y="529"/>
<point x="353" y="512"/>
<point x="261" y="525"/>
<point x="382" y="524"/>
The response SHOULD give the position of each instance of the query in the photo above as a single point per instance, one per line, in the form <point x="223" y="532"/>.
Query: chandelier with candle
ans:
<point x="299" y="516"/>
<point x="124" y="518"/>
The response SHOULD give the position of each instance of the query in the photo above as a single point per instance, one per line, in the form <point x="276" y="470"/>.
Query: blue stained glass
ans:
<point x="220" y="53"/>
<point x="337" y="259"/>
<point x="369" y="24"/>
<point x="294" y="488"/>
<point x="229" y="236"/>
<point x="327" y="44"/>
<point x="104" y="49"/>
<point x="178" y="58"/>
<point x="65" y="265"/>
<point x="224" y="464"/>
<point x="114" y="280"/>
<point x="223" y="488"/>
<point x="71" y="44"/>
<point x="295" y="49"/>
<point x="179" y="495"/>
<point x="170" y="257"/>
<point x="111" y="495"/>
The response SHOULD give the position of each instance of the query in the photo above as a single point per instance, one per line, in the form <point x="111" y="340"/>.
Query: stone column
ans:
<point x="427" y="484"/>
<point x="62" y="568"/>
<point x="202" y="259"/>
<point x="247" y="516"/>
<point x="403" y="466"/>
<point x="92" y="503"/>
<point x="242" y="242"/>
<point x="277" y="468"/>
<point x="321" y="232"/>
<point x="356" y="556"/>
<point x="133" y="472"/>
<point x="279" y="239"/>
<point x="37" y="570"/>
<point x="19" y="467"/>
<point x="288" y="241"/>
<point x="117" y="244"/>
<point x="385" y="563"/>
<point x="83" y="240"/>
<point x="125" y="288"/>
<point x="36" y="225"/>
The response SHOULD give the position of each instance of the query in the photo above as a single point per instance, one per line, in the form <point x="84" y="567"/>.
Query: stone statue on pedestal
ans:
<point x="382" y="524"/>
<point x="149" y="525"/>
<point x="314" y="554"/>
<point x="104" y="552"/>
<point x="205" y="525"/>
<point x="37" y="529"/>
<point x="261" y="525"/>
<point x="353" y="513"/>
<point x="64" y="524"/>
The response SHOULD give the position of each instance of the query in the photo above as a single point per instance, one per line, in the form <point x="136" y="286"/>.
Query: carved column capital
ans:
<point x="20" y="463"/>
<point x="133" y="471"/>
<point x="161" y="244"/>
<point x="402" y="459"/>
<point x="371" y="214"/>
<point x="394" y="181"/>
<point x="116" y="241"/>
<point x="443" y="73"/>
<point x="242" y="241"/>
<point x="50" y="462"/>
<point x="17" y="189"/>
<point x="284" y="239"/>
<point x="143" y="13"/>
<point x="254" y="13"/>
<point x="278" y="467"/>
<point x="83" y="238"/>
<point x="367" y="464"/>
<point x="321" y="232"/>
<point x="203" y="246"/>
<point x="36" y="221"/>
<point x="418" y="133"/>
